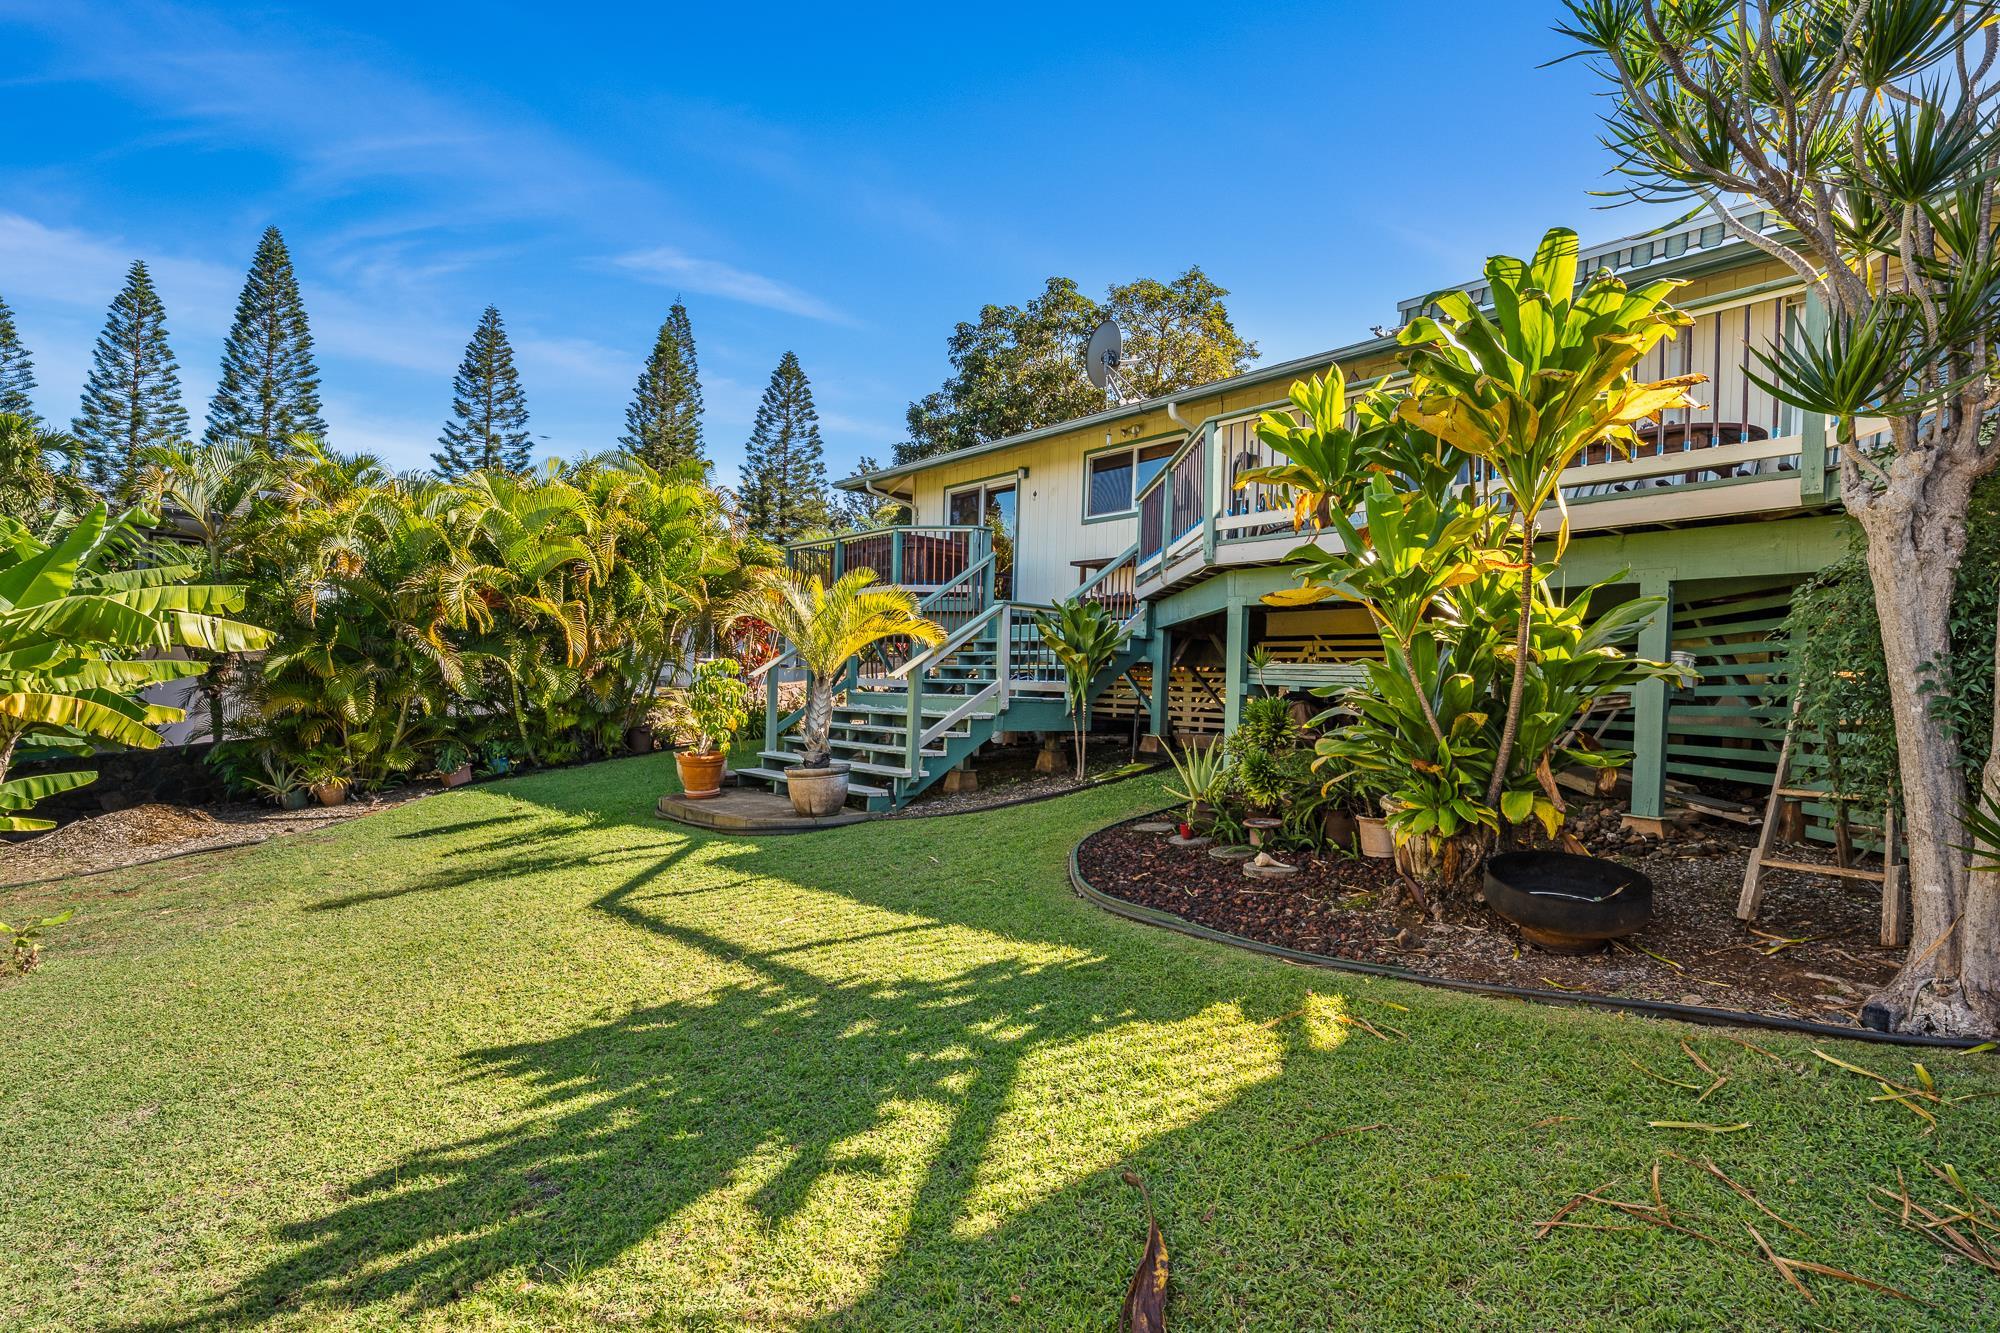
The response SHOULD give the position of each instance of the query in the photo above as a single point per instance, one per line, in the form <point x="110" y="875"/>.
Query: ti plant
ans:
<point x="79" y="641"/>
<point x="1085" y="639"/>
<point x="1434" y="498"/>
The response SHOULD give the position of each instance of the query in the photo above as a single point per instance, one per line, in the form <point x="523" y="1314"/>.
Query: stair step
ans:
<point x="778" y="775"/>
<point x="788" y="759"/>
<point x="933" y="705"/>
<point x="840" y="744"/>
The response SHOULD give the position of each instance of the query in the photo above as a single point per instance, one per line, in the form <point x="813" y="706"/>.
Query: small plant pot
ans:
<point x="639" y="740"/>
<point x="1565" y="903"/>
<point x="1339" y="829"/>
<point x="296" y="800"/>
<point x="458" y="777"/>
<point x="330" y="793"/>
<point x="701" y="774"/>
<point x="817" y="792"/>
<point x="1377" y="843"/>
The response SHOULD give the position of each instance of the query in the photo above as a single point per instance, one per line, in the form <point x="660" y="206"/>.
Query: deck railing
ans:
<point x="920" y="558"/>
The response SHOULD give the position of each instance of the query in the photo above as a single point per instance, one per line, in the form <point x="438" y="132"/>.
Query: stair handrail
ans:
<point x="915" y="735"/>
<point x="1117" y="562"/>
<point x="952" y="644"/>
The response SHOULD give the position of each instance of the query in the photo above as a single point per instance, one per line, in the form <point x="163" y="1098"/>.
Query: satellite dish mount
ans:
<point x="1101" y="357"/>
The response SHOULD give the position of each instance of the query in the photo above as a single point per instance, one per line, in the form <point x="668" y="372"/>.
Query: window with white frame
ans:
<point x="1111" y="478"/>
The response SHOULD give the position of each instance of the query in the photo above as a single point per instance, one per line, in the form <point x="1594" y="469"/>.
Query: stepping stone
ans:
<point x="1232" y="853"/>
<point x="1154" y="826"/>
<point x="1254" y="871"/>
<point x="1178" y="841"/>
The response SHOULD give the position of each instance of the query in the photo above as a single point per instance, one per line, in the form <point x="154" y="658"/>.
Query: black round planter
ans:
<point x="1565" y="903"/>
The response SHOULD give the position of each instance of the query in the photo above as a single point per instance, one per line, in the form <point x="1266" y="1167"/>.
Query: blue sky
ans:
<point x="847" y="187"/>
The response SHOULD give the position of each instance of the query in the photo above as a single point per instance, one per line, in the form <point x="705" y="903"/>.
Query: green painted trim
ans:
<point x="1802" y="545"/>
<point x="1649" y="703"/>
<point x="1235" y="664"/>
<point x="1160" y="706"/>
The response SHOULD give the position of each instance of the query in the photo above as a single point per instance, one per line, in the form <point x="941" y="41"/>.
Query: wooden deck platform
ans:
<point x="748" y="810"/>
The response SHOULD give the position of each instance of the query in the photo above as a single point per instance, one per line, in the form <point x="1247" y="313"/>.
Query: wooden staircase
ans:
<point x="907" y="716"/>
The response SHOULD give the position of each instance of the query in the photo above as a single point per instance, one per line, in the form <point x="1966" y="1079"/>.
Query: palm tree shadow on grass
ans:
<point x="635" y="1119"/>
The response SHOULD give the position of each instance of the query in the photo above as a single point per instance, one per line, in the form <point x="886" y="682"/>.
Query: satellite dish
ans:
<point x="1100" y="359"/>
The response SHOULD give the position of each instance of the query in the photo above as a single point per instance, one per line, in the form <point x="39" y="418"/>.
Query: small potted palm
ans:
<point x="325" y="773"/>
<point x="714" y="702"/>
<point x="828" y="627"/>
<point x="453" y="764"/>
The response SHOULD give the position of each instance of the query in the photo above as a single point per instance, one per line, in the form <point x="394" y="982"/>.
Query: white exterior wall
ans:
<point x="1051" y="531"/>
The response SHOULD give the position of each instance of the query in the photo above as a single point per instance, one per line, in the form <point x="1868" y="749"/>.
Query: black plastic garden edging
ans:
<point x="1687" y="1013"/>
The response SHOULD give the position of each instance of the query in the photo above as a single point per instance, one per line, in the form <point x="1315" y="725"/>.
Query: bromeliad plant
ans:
<point x="78" y="641"/>
<point x="1439" y="495"/>
<point x="1085" y="639"/>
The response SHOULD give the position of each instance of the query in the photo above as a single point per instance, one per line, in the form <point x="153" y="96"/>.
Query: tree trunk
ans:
<point x="1916" y="538"/>
<point x="818" y="723"/>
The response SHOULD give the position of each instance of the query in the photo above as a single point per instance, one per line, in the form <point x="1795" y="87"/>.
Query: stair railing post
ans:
<point x="1003" y="655"/>
<point x="771" y="705"/>
<point x="913" y="739"/>
<point x="896" y="557"/>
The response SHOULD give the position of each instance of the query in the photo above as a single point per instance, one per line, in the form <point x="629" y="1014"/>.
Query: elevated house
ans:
<point x="1723" y="511"/>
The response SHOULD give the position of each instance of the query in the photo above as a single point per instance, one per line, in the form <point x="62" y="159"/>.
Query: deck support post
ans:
<point x="1159" y="706"/>
<point x="1649" y="704"/>
<point x="1235" y="663"/>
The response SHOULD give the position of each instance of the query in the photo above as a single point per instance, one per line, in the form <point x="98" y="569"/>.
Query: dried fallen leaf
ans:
<point x="1671" y="1082"/>
<point x="1697" y="1125"/>
<point x="1146" y="1296"/>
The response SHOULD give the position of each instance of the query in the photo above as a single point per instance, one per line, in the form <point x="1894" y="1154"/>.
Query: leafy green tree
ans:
<point x="214" y="489"/>
<point x="270" y="386"/>
<point x="133" y="396"/>
<point x="78" y="641"/>
<point x="38" y="481"/>
<point x="1021" y="367"/>
<point x="488" y="427"/>
<point x="783" y="492"/>
<point x="1864" y="128"/>
<point x="17" y="369"/>
<point x="663" y="424"/>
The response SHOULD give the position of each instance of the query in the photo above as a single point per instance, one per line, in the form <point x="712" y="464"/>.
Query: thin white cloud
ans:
<point x="711" y="277"/>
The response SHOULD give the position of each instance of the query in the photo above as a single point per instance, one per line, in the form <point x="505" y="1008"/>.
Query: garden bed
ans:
<point x="1811" y="956"/>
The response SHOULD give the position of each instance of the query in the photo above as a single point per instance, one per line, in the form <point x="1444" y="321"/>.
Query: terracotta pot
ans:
<point x="1339" y="828"/>
<point x="817" y="792"/>
<point x="1377" y="843"/>
<point x="458" y="777"/>
<point x="701" y="774"/>
<point x="330" y="793"/>
<point x="639" y="740"/>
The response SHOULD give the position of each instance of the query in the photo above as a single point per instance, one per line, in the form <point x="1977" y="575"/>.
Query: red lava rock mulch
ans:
<point x="1694" y="952"/>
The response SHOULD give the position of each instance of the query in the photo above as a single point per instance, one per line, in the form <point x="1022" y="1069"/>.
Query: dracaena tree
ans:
<point x="78" y="641"/>
<point x="1085" y="639"/>
<point x="1866" y="129"/>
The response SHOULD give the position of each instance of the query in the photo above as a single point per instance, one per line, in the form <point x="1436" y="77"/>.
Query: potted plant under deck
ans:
<point x="827" y="628"/>
<point x="715" y="700"/>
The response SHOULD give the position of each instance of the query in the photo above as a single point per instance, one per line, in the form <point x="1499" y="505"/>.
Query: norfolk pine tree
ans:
<point x="663" y="424"/>
<point x="270" y="386"/>
<point x="132" y="399"/>
<point x="783" y="494"/>
<point x="488" y="427"/>
<point x="17" y="370"/>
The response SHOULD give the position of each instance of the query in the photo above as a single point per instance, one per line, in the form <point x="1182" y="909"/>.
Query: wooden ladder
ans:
<point x="1895" y="928"/>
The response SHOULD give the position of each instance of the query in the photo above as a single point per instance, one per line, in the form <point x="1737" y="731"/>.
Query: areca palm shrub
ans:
<point x="79" y="640"/>
<point x="828" y="627"/>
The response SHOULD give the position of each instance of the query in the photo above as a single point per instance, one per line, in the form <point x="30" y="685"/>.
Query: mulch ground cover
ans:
<point x="1812" y="953"/>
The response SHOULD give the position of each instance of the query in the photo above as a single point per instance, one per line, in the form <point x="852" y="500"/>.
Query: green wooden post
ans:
<point x="1650" y="703"/>
<point x="1217" y="497"/>
<point x="1812" y="431"/>
<point x="1235" y="661"/>
<point x="838" y="559"/>
<point x="1160" y="706"/>
<point x="896" y="557"/>
<point x="771" y="708"/>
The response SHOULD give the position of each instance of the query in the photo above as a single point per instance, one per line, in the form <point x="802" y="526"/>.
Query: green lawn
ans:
<point x="524" y="1056"/>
